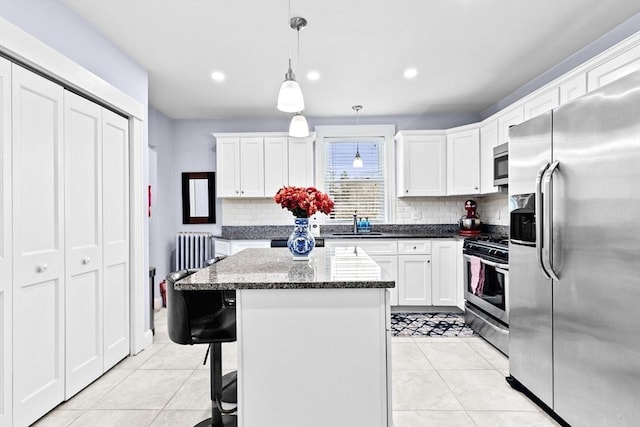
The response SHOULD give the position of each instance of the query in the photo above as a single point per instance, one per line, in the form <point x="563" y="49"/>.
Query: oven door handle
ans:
<point x="490" y="263"/>
<point x="539" y="200"/>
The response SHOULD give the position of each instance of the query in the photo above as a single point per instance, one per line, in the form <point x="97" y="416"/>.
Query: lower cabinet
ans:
<point x="414" y="279"/>
<point x="444" y="276"/>
<point x="223" y="247"/>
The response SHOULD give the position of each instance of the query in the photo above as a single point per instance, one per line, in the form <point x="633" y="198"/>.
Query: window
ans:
<point x="367" y="190"/>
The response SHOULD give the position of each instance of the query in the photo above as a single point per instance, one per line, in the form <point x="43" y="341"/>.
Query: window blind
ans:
<point x="360" y="190"/>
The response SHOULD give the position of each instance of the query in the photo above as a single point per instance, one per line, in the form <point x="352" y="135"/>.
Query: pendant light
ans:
<point x="357" y="160"/>
<point x="298" y="127"/>
<point x="290" y="99"/>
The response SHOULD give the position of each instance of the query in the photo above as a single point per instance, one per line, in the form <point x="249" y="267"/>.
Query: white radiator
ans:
<point x="193" y="249"/>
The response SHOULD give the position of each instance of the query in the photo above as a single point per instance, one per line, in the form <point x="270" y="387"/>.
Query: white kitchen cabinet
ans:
<point x="573" y="88"/>
<point x="460" y="279"/>
<point x="616" y="67"/>
<point x="276" y="164"/>
<point x="421" y="163"/>
<point x="382" y="251"/>
<point x="240" y="167"/>
<point x="541" y="103"/>
<point x="463" y="162"/>
<point x="38" y="245"/>
<point x="488" y="141"/>
<point x="512" y="117"/>
<point x="414" y="279"/>
<point x="300" y="164"/>
<point x="444" y="281"/>
<point x="232" y="247"/>
<point x="6" y="283"/>
<point x="414" y="272"/>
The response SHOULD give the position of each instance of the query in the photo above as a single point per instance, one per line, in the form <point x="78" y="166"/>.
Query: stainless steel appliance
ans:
<point x="501" y="164"/>
<point x="574" y="257"/>
<point x="486" y="293"/>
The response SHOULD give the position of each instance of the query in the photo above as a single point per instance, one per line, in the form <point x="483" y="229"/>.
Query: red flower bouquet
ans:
<point x="303" y="202"/>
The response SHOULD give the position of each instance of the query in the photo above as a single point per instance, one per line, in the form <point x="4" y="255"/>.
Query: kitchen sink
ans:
<point x="352" y="234"/>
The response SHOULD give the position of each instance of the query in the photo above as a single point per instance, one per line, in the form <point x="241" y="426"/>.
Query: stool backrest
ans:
<point x="177" y="309"/>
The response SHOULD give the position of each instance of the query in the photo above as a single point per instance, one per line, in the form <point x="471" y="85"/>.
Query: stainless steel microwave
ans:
<point x="501" y="164"/>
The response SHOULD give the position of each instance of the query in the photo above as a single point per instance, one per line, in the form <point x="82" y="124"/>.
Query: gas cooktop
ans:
<point x="493" y="248"/>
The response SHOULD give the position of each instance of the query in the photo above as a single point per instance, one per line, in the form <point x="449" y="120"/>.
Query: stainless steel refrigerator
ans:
<point x="574" y="256"/>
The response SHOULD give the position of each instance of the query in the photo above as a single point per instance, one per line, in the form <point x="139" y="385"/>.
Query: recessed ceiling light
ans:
<point x="410" y="73"/>
<point x="217" y="76"/>
<point x="313" y="75"/>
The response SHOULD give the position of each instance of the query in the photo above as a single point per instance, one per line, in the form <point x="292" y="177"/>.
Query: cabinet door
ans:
<point x="301" y="162"/>
<point x="83" y="242"/>
<point x="5" y="243"/>
<point x="463" y="162"/>
<point x="459" y="275"/>
<point x="573" y="88"/>
<point x="511" y="118"/>
<point x="276" y="164"/>
<point x="228" y="167"/>
<point x="444" y="278"/>
<point x="251" y="167"/>
<point x="115" y="191"/>
<point x="422" y="161"/>
<point x="389" y="263"/>
<point x="38" y="246"/>
<point x="488" y="141"/>
<point x="618" y="66"/>
<point x="541" y="103"/>
<point x="414" y="279"/>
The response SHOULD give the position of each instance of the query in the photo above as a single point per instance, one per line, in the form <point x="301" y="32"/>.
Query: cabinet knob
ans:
<point x="475" y="188"/>
<point x="242" y="191"/>
<point x="237" y="191"/>
<point x="415" y="247"/>
<point x="428" y="261"/>
<point x="42" y="268"/>
<point x="406" y="191"/>
<point x="86" y="260"/>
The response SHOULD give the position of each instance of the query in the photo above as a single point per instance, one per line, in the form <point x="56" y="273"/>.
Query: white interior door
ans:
<point x="83" y="243"/>
<point x="38" y="249"/>
<point x="115" y="196"/>
<point x="5" y="242"/>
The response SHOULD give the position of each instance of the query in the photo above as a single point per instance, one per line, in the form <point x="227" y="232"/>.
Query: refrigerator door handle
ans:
<point x="540" y="219"/>
<point x="546" y="259"/>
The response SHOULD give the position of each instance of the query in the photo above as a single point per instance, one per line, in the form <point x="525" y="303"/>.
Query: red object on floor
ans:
<point x="163" y="292"/>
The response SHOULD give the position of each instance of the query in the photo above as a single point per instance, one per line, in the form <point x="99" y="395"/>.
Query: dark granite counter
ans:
<point x="275" y="268"/>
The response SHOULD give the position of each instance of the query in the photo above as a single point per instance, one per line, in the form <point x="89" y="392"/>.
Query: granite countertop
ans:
<point x="274" y="268"/>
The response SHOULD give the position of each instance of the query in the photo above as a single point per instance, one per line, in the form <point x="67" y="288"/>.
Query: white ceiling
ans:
<point x="469" y="53"/>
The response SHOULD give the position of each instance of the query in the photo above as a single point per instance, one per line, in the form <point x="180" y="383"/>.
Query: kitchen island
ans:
<point x="313" y="336"/>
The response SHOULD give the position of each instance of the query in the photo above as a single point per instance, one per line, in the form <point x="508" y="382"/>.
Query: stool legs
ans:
<point x="217" y="418"/>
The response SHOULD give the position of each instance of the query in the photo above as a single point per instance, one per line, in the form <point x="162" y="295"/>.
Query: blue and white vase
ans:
<point x="301" y="242"/>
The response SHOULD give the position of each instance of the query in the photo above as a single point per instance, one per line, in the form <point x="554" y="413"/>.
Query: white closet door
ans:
<point x="38" y="249"/>
<point x="115" y="196"/>
<point x="83" y="242"/>
<point x="5" y="243"/>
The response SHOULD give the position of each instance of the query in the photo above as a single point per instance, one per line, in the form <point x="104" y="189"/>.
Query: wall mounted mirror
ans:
<point x="198" y="197"/>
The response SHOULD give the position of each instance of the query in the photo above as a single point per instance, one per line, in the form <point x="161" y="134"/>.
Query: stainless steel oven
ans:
<point x="486" y="283"/>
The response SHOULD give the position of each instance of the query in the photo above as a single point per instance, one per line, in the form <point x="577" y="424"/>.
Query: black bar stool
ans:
<point x="202" y="317"/>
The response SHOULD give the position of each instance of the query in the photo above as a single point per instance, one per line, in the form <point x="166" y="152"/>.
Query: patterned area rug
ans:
<point x="429" y="325"/>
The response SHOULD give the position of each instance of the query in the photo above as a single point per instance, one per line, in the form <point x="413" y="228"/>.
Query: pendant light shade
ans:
<point x="290" y="99"/>
<point x="298" y="127"/>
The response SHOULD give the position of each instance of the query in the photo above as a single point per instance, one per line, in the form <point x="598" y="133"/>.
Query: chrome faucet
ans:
<point x="355" y="222"/>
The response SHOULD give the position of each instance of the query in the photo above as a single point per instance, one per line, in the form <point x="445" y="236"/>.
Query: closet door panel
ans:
<point x="115" y="175"/>
<point x="38" y="249"/>
<point x="5" y="243"/>
<point x="83" y="239"/>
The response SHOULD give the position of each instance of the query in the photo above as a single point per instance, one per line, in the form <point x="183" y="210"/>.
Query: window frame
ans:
<point x="386" y="132"/>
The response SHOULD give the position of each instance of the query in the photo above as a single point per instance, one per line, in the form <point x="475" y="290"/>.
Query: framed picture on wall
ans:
<point x="198" y="197"/>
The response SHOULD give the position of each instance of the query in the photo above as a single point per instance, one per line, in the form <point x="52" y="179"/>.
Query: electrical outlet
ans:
<point x="415" y="215"/>
<point x="498" y="214"/>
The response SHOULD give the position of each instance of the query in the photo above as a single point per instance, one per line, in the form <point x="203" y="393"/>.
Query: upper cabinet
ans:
<point x="573" y="88"/>
<point x="488" y="140"/>
<point x="541" y="103"/>
<point x="510" y="118"/>
<point x="421" y="163"/>
<point x="257" y="165"/>
<point x="618" y="66"/>
<point x="463" y="162"/>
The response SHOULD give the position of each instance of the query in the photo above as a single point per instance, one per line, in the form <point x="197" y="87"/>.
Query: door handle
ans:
<point x="539" y="219"/>
<point x="548" y="231"/>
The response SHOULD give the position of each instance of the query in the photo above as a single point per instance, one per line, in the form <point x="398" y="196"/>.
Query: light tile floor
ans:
<point x="436" y="382"/>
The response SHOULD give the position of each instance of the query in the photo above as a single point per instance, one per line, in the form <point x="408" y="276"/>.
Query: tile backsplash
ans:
<point x="492" y="209"/>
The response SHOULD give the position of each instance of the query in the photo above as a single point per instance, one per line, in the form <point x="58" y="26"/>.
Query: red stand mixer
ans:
<point x="470" y="224"/>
